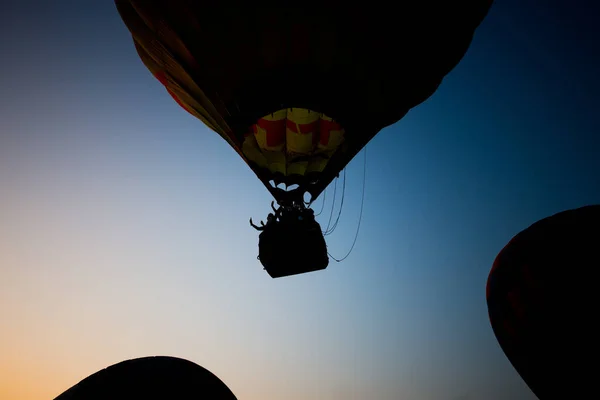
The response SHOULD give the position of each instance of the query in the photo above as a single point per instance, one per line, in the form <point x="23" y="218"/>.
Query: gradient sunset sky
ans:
<point x="124" y="221"/>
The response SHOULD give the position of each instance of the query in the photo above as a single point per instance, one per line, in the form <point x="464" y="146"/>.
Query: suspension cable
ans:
<point x="362" y="202"/>
<point x="332" y="203"/>
<point x="330" y="230"/>
<point x="322" y="205"/>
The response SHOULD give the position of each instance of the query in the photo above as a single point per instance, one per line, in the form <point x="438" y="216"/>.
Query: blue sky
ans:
<point x="124" y="221"/>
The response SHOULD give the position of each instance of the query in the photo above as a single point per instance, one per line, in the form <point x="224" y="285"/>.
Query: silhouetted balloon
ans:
<point x="298" y="90"/>
<point x="150" y="378"/>
<point x="543" y="305"/>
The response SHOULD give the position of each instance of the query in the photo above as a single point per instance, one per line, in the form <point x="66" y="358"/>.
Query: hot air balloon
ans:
<point x="150" y="378"/>
<point x="298" y="90"/>
<point x="542" y="304"/>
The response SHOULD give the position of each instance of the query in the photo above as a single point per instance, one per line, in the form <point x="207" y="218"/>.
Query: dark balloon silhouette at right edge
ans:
<point x="150" y="378"/>
<point x="543" y="303"/>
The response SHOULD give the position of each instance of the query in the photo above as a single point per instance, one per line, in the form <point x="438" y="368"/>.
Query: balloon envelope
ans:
<point x="298" y="90"/>
<point x="542" y="305"/>
<point x="150" y="378"/>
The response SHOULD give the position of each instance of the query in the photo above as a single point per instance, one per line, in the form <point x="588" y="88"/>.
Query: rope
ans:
<point x="362" y="202"/>
<point x="332" y="204"/>
<point x="330" y="230"/>
<point x="322" y="205"/>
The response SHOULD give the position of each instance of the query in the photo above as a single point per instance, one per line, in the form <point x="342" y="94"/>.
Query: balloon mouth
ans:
<point x="293" y="142"/>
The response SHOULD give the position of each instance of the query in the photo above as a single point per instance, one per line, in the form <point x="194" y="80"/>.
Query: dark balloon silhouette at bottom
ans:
<point x="543" y="303"/>
<point x="150" y="378"/>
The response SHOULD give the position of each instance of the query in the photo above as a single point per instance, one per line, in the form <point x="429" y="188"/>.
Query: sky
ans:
<point x="124" y="221"/>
